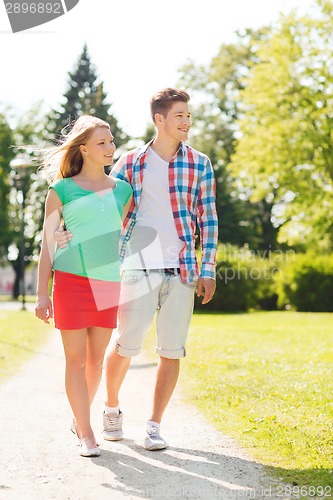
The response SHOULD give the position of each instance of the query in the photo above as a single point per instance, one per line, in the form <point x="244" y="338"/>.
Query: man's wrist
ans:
<point x="208" y="271"/>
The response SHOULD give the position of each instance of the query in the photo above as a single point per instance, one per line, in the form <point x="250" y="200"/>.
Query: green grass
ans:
<point x="9" y="298"/>
<point x="265" y="378"/>
<point x="21" y="334"/>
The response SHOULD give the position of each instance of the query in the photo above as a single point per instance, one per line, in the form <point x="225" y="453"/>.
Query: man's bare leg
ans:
<point x="116" y="369"/>
<point x="166" y="380"/>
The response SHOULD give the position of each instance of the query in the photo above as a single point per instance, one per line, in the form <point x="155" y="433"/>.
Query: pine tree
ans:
<point x="85" y="95"/>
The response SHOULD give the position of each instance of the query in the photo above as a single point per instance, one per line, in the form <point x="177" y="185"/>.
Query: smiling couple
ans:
<point x="153" y="202"/>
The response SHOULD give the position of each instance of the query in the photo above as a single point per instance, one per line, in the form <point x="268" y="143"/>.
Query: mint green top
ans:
<point x="95" y="222"/>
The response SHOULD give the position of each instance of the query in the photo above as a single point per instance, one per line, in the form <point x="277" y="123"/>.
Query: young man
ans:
<point x="174" y="189"/>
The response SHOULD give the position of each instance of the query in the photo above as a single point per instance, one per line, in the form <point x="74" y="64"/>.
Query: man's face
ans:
<point x="177" y="123"/>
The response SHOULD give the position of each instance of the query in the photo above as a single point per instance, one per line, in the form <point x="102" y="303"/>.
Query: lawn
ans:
<point x="265" y="378"/>
<point x="21" y="333"/>
<point x="9" y="298"/>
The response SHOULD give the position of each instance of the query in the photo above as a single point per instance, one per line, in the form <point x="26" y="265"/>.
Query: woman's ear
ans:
<point x="83" y="149"/>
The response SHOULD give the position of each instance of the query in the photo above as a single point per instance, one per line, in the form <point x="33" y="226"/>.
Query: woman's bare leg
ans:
<point x="97" y="341"/>
<point x="75" y="347"/>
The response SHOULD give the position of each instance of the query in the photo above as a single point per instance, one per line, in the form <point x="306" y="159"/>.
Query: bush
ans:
<point x="307" y="284"/>
<point x="233" y="290"/>
<point x="244" y="280"/>
<point x="270" y="281"/>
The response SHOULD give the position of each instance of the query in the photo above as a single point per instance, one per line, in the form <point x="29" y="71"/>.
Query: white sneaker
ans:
<point x="153" y="440"/>
<point x="113" y="426"/>
<point x="85" y="451"/>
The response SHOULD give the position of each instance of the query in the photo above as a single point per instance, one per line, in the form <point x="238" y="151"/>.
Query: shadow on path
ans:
<point x="184" y="473"/>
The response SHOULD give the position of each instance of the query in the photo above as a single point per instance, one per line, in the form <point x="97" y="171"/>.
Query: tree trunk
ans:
<point x="17" y="270"/>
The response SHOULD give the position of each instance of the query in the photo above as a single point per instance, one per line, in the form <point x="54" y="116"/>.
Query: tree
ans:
<point x="6" y="156"/>
<point x="214" y="102"/>
<point x="285" y="152"/>
<point x="149" y="133"/>
<point x="84" y="96"/>
<point x="31" y="186"/>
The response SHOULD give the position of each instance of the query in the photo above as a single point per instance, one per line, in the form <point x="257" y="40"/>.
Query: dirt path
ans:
<point x="39" y="457"/>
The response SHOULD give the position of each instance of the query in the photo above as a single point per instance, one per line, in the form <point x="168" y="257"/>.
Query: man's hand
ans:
<point x="206" y="289"/>
<point x="62" y="237"/>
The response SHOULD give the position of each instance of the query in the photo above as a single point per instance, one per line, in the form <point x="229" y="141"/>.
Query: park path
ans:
<point x="39" y="458"/>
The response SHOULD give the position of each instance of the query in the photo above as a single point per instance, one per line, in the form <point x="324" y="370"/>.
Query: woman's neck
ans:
<point x="91" y="173"/>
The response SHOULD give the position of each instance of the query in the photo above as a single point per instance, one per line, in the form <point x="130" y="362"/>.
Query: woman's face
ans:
<point x="99" y="148"/>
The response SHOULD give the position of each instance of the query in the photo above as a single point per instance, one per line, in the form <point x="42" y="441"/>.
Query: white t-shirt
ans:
<point x="154" y="241"/>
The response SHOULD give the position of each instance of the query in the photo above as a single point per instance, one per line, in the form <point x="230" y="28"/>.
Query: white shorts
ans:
<point x="144" y="293"/>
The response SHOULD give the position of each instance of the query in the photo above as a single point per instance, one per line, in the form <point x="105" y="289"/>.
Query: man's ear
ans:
<point x="159" y="118"/>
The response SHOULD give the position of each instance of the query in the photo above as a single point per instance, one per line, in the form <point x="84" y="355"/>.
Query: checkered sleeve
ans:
<point x="207" y="220"/>
<point x="120" y="169"/>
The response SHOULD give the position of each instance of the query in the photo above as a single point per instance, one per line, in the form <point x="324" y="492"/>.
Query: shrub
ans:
<point x="307" y="284"/>
<point x="233" y="290"/>
<point x="271" y="280"/>
<point x="244" y="280"/>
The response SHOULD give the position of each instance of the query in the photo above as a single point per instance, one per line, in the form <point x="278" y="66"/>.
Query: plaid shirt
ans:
<point x="192" y="197"/>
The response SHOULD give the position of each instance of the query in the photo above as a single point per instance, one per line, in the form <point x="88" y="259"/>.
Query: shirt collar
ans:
<point x="181" y="149"/>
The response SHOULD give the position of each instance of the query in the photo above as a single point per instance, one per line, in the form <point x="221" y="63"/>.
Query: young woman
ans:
<point x="86" y="278"/>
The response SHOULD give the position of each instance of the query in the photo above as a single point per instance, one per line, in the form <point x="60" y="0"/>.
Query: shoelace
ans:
<point x="153" y="432"/>
<point x="112" y="421"/>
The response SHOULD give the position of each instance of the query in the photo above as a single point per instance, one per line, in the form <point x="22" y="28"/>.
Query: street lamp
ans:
<point x="19" y="166"/>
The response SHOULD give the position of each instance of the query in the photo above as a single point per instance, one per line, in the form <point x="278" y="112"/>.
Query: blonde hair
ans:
<point x="65" y="160"/>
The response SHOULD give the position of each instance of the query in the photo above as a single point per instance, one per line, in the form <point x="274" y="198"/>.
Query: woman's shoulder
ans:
<point x="62" y="188"/>
<point x="124" y="185"/>
<point x="123" y="191"/>
<point x="60" y="182"/>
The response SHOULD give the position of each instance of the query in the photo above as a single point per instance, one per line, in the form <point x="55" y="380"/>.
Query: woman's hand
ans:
<point x="44" y="308"/>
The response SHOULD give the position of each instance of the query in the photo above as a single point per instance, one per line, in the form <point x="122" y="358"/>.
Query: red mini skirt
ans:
<point x="81" y="302"/>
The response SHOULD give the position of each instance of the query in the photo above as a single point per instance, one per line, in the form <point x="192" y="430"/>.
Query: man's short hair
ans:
<point x="163" y="100"/>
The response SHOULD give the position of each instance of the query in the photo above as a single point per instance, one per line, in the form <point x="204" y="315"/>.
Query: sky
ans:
<point x="137" y="47"/>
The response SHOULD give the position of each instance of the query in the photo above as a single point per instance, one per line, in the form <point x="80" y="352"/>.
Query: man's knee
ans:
<point x="114" y="357"/>
<point x="171" y="354"/>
